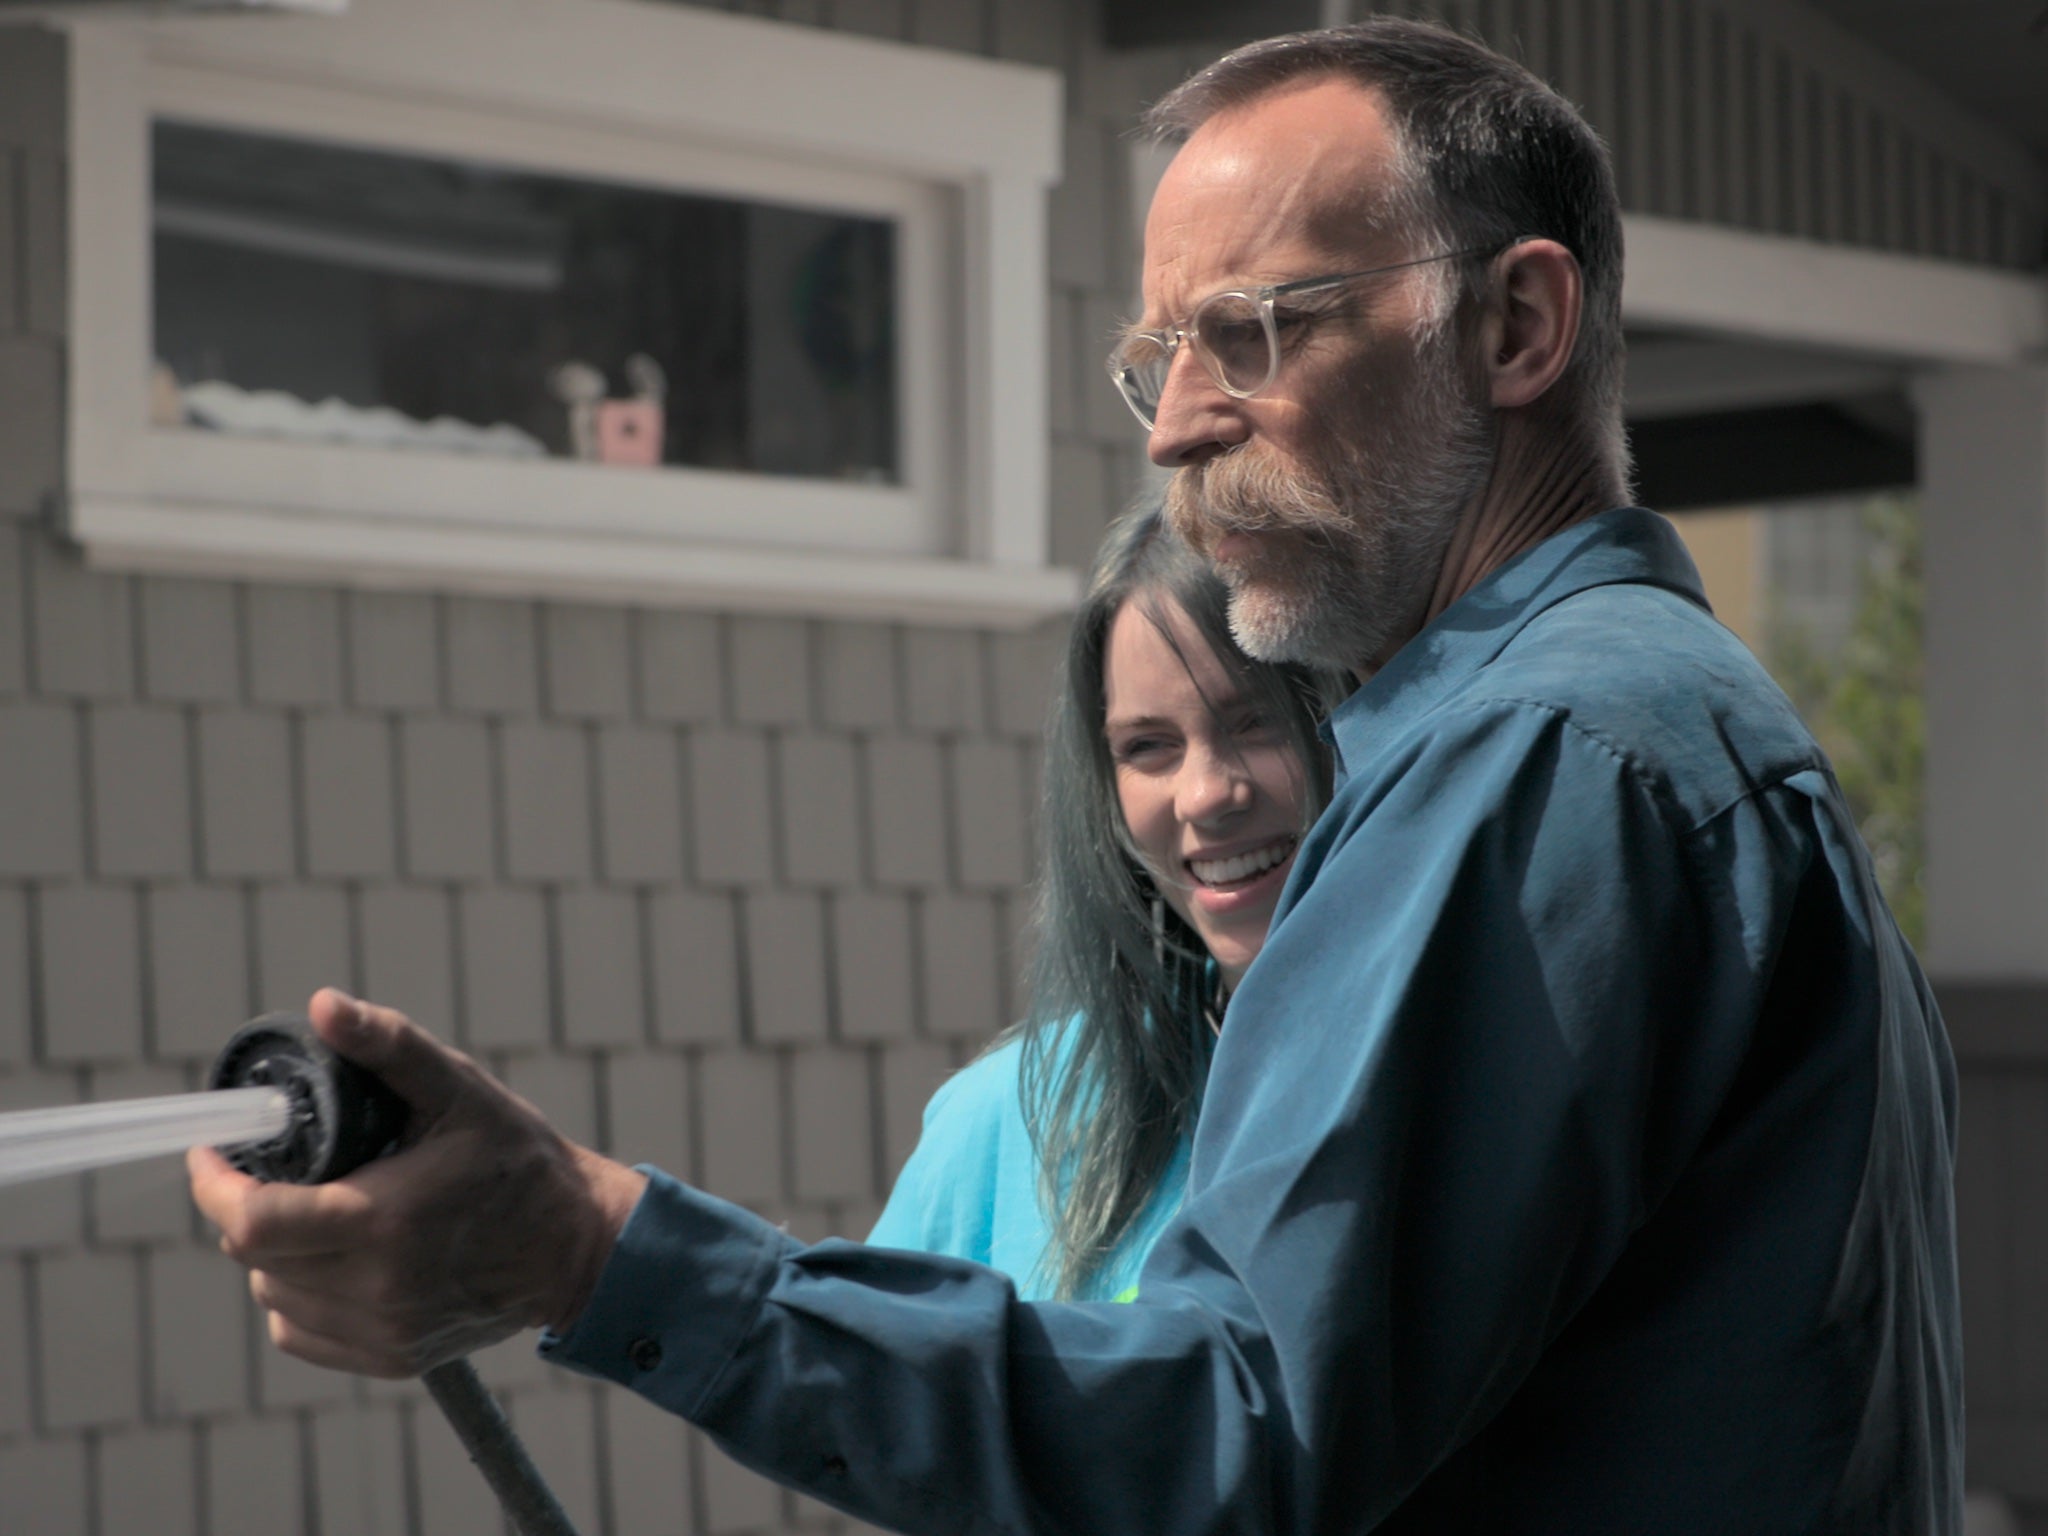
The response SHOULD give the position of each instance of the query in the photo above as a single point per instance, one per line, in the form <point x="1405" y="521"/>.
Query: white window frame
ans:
<point x="958" y="153"/>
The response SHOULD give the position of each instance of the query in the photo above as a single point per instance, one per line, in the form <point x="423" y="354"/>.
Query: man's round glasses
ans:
<point x="1236" y="336"/>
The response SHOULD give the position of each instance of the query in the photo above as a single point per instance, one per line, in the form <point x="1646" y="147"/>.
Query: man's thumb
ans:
<point x="383" y="1041"/>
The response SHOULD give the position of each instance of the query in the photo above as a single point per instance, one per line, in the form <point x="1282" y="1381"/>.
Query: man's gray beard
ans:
<point x="1347" y="547"/>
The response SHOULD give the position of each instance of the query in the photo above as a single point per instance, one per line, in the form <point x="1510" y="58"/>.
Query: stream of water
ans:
<point x="42" y="1143"/>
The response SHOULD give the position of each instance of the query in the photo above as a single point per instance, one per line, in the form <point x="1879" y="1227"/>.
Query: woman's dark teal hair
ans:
<point x="1109" y="1100"/>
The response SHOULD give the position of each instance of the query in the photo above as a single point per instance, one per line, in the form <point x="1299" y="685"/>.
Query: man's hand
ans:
<point x="486" y="1221"/>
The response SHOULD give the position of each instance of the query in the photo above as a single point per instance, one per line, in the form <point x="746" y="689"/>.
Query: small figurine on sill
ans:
<point x="580" y="388"/>
<point x="629" y="431"/>
<point x="606" y="431"/>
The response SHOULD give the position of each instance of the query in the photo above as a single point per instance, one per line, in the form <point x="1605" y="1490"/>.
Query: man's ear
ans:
<point x="1531" y="324"/>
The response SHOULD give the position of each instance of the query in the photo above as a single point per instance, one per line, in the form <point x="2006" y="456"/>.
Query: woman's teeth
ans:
<point x="1243" y="866"/>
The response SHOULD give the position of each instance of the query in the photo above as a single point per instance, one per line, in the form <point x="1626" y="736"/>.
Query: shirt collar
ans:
<point x="1626" y="544"/>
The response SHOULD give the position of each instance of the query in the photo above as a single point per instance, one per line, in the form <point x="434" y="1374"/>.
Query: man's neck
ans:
<point x="1543" y="481"/>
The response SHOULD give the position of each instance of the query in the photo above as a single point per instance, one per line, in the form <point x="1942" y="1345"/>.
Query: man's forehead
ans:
<point x="1263" y="186"/>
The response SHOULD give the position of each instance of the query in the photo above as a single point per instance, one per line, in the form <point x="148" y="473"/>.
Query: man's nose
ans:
<point x="1196" y="420"/>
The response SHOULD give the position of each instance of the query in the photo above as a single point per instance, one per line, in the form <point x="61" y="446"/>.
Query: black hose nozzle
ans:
<point x="341" y="1116"/>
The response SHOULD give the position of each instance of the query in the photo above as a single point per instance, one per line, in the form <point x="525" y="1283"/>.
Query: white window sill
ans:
<point x="189" y="538"/>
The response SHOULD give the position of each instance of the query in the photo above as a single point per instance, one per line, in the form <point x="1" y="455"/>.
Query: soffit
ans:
<point x="1990" y="55"/>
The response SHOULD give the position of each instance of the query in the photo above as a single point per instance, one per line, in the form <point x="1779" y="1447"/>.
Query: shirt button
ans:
<point x="836" y="1465"/>
<point x="645" y="1353"/>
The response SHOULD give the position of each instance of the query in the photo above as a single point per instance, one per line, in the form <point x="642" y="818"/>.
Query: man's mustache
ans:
<point x="1248" y="490"/>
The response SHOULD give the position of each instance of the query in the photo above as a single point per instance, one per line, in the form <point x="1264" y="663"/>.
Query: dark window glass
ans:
<point x="332" y="294"/>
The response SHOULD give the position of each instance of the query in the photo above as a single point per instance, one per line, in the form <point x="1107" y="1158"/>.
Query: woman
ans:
<point x="1179" y="778"/>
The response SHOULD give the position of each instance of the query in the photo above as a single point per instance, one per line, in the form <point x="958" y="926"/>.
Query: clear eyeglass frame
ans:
<point x="1240" y="361"/>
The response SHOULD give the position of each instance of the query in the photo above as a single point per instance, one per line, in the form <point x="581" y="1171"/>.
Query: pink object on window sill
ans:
<point x="629" y="432"/>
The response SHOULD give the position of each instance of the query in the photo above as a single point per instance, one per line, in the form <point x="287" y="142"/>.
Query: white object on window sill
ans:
<point x="227" y="407"/>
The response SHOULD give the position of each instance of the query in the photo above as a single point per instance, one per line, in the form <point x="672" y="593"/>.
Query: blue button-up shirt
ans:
<point x="1576" y="1159"/>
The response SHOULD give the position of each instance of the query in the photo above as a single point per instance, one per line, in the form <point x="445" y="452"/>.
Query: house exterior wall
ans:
<point x="729" y="893"/>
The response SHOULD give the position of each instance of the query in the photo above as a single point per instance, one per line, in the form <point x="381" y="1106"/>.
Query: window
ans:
<point x="328" y="294"/>
<point x="624" y="303"/>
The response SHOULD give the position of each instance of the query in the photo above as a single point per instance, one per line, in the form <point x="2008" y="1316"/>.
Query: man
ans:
<point x="1576" y="1155"/>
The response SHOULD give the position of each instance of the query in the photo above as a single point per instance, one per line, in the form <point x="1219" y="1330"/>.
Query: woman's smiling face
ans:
<point x="1210" y="788"/>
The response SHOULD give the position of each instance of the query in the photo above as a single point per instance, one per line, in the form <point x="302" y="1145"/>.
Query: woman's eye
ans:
<point x="1256" y="726"/>
<point x="1140" y="750"/>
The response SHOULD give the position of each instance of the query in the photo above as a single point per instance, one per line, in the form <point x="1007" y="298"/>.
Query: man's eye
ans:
<point x="1231" y="335"/>
<point x="1293" y="327"/>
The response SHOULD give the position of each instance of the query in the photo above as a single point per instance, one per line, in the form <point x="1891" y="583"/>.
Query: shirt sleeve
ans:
<point x="1472" y="1058"/>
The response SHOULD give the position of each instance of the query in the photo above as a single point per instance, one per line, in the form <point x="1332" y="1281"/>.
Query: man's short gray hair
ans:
<point x="1493" y="154"/>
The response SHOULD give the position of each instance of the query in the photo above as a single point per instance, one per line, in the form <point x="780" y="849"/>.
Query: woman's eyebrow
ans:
<point x="1134" y="722"/>
<point x="1220" y="704"/>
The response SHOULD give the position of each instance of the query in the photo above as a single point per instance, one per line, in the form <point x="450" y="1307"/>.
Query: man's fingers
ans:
<point x="264" y="1223"/>
<point x="332" y="1353"/>
<point x="320" y="1311"/>
<point x="416" y="1066"/>
<point x="218" y="1187"/>
<point x="316" y="1296"/>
